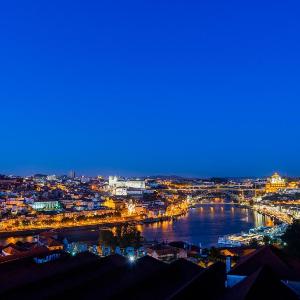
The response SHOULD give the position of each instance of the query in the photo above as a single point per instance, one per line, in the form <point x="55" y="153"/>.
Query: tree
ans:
<point x="130" y="236"/>
<point x="117" y="214"/>
<point x="253" y="244"/>
<point x="25" y="222"/>
<point x="214" y="254"/>
<point x="81" y="218"/>
<point x="291" y="238"/>
<point x="16" y="223"/>
<point x="107" y="238"/>
<point x="66" y="220"/>
<point x="125" y="236"/>
<point x="49" y="222"/>
<point x="267" y="240"/>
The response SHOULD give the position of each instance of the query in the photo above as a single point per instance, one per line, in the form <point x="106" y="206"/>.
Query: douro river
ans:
<point x="204" y="224"/>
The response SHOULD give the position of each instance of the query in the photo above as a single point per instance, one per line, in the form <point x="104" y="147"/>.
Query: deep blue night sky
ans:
<point x="199" y="88"/>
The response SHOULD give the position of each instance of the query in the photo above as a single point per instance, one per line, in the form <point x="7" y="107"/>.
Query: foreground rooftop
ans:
<point x="261" y="275"/>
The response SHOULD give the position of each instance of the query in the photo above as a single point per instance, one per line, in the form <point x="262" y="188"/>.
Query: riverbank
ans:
<point x="271" y="212"/>
<point x="202" y="224"/>
<point x="60" y="227"/>
<point x="134" y="221"/>
<point x="26" y="232"/>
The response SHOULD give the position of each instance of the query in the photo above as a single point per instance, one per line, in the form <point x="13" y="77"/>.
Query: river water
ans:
<point x="203" y="224"/>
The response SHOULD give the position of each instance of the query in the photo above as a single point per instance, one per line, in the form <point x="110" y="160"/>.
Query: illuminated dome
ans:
<point x="276" y="179"/>
<point x="275" y="183"/>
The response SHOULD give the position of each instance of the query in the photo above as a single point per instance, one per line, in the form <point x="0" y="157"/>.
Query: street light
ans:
<point x="131" y="258"/>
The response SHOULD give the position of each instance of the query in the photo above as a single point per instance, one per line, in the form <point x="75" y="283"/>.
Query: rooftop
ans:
<point x="286" y="267"/>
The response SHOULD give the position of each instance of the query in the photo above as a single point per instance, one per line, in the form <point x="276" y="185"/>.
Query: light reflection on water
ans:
<point x="205" y="224"/>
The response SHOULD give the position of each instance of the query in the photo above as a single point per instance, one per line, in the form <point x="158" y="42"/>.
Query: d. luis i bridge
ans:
<point x="204" y="194"/>
<point x="236" y="195"/>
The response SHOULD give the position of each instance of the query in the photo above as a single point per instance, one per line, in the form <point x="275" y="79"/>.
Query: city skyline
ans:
<point x="150" y="149"/>
<point x="73" y="174"/>
<point x="191" y="89"/>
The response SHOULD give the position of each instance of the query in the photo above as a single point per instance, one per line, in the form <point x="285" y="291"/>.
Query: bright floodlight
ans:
<point x="131" y="258"/>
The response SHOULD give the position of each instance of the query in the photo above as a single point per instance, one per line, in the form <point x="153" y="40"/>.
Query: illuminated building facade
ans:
<point x="115" y="181"/>
<point x="275" y="183"/>
<point x="46" y="205"/>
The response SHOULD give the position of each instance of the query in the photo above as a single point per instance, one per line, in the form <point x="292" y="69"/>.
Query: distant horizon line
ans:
<point x="147" y="176"/>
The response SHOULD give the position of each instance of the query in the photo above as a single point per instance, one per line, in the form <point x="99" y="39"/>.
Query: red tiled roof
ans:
<point x="11" y="250"/>
<point x="267" y="256"/>
<point x="30" y="253"/>
<point x="262" y="284"/>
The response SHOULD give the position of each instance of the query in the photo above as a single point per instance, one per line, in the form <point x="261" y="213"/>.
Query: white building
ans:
<point x="120" y="191"/>
<point x="51" y="177"/>
<point x="116" y="182"/>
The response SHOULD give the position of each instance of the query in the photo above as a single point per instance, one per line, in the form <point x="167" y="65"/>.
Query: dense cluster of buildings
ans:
<point x="43" y="202"/>
<point x="33" y="201"/>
